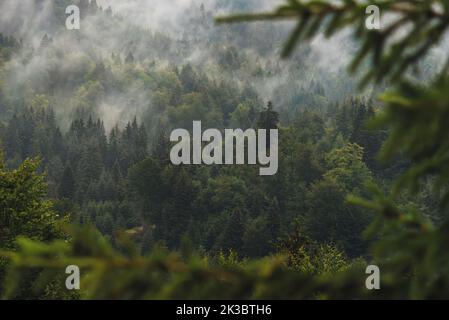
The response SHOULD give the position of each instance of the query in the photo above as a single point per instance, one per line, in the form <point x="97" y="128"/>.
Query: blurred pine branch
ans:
<point x="414" y="27"/>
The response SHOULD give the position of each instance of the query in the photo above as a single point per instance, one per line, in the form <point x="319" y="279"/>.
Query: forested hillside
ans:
<point x="86" y="179"/>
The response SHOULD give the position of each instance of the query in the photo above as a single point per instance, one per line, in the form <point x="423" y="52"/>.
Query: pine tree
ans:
<point x="45" y="42"/>
<point x="129" y="58"/>
<point x="93" y="7"/>
<point x="268" y="119"/>
<point x="370" y="140"/>
<point x="67" y="185"/>
<point x="232" y="236"/>
<point x="161" y="147"/>
<point x="274" y="219"/>
<point x="108" y="11"/>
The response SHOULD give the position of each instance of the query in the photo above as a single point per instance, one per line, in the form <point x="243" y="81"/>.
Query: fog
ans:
<point x="152" y="30"/>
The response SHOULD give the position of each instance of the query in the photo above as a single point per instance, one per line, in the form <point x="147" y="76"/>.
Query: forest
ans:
<point x="85" y="171"/>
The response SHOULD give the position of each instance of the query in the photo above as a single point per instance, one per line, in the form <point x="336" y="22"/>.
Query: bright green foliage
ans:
<point x="347" y="169"/>
<point x="24" y="212"/>
<point x="307" y="256"/>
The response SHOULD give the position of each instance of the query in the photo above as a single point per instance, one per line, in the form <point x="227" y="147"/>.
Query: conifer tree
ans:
<point x="232" y="236"/>
<point x="67" y="186"/>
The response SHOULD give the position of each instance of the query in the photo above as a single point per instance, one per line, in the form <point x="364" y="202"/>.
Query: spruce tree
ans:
<point x="67" y="185"/>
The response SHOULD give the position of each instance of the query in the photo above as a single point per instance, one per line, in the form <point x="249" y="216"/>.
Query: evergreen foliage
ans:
<point x="151" y="230"/>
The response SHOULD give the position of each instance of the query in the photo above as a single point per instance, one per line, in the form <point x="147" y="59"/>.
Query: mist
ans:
<point x="161" y="34"/>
